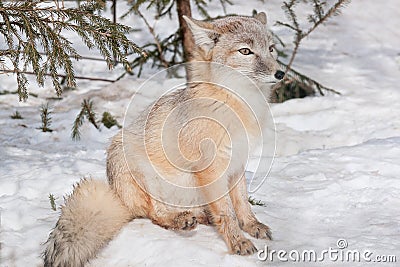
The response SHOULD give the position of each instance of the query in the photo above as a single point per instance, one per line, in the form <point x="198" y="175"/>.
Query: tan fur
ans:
<point x="92" y="215"/>
<point x="182" y="161"/>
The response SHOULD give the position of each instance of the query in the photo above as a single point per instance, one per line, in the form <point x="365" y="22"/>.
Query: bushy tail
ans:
<point x="91" y="217"/>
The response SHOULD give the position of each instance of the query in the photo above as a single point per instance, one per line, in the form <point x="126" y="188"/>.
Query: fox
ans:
<point x="181" y="162"/>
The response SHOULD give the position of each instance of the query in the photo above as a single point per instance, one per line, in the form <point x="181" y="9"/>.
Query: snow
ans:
<point x="335" y="175"/>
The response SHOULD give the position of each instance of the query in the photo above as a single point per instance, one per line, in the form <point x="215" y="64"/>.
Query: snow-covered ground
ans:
<point x="336" y="174"/>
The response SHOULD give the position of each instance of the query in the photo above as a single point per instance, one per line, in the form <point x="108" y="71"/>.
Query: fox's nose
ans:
<point x="279" y="74"/>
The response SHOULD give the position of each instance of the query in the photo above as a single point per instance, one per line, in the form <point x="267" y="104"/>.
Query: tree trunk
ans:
<point x="183" y="8"/>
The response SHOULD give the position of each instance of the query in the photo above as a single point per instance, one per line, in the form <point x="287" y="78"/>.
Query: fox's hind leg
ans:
<point x="172" y="218"/>
<point x="247" y="220"/>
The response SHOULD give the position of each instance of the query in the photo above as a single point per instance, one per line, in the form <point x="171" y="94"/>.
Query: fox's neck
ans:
<point x="227" y="91"/>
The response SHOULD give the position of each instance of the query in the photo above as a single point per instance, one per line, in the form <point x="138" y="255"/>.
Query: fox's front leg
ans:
<point x="247" y="220"/>
<point x="224" y="219"/>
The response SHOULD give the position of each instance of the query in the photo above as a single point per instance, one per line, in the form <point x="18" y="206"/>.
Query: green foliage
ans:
<point x="296" y="84"/>
<point x="16" y="116"/>
<point x="45" y="112"/>
<point x="169" y="51"/>
<point x="161" y="54"/>
<point x="52" y="202"/>
<point x="161" y="7"/>
<point x="29" y="27"/>
<point x="201" y="6"/>
<point x="34" y="43"/>
<point x="109" y="121"/>
<point x="87" y="111"/>
<point x="255" y="202"/>
<point x="318" y="17"/>
<point x="166" y="52"/>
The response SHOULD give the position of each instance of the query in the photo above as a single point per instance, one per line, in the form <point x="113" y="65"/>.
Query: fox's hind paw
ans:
<point x="185" y="221"/>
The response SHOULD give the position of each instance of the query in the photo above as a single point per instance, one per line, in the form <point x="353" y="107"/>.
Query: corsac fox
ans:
<point x="182" y="160"/>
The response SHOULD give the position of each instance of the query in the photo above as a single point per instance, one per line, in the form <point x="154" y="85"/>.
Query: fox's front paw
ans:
<point x="243" y="247"/>
<point x="258" y="230"/>
<point x="185" y="221"/>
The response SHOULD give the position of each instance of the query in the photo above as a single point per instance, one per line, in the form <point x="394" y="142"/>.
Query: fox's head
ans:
<point x="240" y="42"/>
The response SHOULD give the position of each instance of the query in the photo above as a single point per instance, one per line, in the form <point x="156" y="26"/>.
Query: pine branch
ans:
<point x="58" y="76"/>
<point x="201" y="7"/>
<point x="6" y="92"/>
<point x="311" y="82"/>
<point x="45" y="115"/>
<point x="166" y="10"/>
<point x="224" y="3"/>
<point x="288" y="7"/>
<point x="297" y="85"/>
<point x="317" y="19"/>
<point x="156" y="40"/>
<point x="167" y="52"/>
<point x="287" y="25"/>
<point x="52" y="200"/>
<point x="76" y="134"/>
<point x="162" y="7"/>
<point x="109" y="121"/>
<point x="87" y="111"/>
<point x="90" y="114"/>
<point x="333" y="11"/>
<point x="28" y="27"/>
<point x="171" y="46"/>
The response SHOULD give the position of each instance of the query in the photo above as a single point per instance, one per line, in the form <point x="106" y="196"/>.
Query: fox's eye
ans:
<point x="245" y="51"/>
<point x="271" y="48"/>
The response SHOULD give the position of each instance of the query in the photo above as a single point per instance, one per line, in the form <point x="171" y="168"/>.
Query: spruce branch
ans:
<point x="45" y="115"/>
<point x="60" y="76"/>
<point x="52" y="200"/>
<point x="7" y="92"/>
<point x="321" y="16"/>
<point x="90" y="114"/>
<point x="223" y="4"/>
<point x="313" y="84"/>
<point x="156" y="40"/>
<point x="87" y="111"/>
<point x="30" y="29"/>
<point x="163" y="53"/>
<point x="171" y="46"/>
<point x="109" y="121"/>
<point x="318" y="18"/>
<point x="296" y="84"/>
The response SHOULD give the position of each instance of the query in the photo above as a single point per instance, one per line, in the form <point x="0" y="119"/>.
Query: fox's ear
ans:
<point x="203" y="33"/>
<point x="261" y="17"/>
